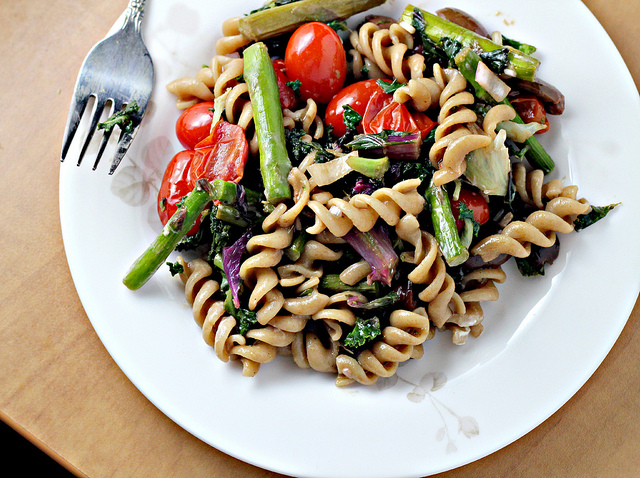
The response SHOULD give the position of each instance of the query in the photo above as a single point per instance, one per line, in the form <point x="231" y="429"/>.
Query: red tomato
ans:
<point x="316" y="57"/>
<point x="222" y="155"/>
<point x="393" y="116"/>
<point x="194" y="124"/>
<point x="357" y="96"/>
<point x="379" y="99"/>
<point x="175" y="185"/>
<point x="287" y="95"/>
<point x="424" y="123"/>
<point x="531" y="110"/>
<point x="474" y="201"/>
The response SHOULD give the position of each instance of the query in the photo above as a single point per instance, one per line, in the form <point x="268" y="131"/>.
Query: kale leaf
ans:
<point x="364" y="331"/>
<point x="597" y="213"/>
<point x="466" y="213"/>
<point x="390" y="88"/>
<point x="351" y="118"/>
<point x="126" y="119"/>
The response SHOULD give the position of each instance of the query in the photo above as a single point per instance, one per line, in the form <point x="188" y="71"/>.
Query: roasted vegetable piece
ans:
<point x="267" y="117"/>
<point x="285" y="18"/>
<point x="436" y="28"/>
<point x="444" y="226"/>
<point x="172" y="233"/>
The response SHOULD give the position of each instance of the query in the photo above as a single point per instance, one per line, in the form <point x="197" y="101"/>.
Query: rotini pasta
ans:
<point x="351" y="273"/>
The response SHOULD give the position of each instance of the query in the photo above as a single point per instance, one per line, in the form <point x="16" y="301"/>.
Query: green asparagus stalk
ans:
<point x="467" y="62"/>
<point x="444" y="225"/>
<point x="230" y="215"/>
<point x="275" y="21"/>
<point x="267" y="117"/>
<point x="333" y="283"/>
<point x="294" y="251"/>
<point x="176" y="228"/>
<point x="438" y="28"/>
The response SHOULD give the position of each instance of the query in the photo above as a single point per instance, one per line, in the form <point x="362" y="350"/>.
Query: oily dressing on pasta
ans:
<point x="301" y="247"/>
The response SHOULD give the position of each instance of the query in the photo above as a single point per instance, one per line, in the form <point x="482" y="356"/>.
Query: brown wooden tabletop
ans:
<point x="59" y="386"/>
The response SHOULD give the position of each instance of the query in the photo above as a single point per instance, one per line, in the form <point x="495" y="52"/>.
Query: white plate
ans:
<point x="542" y="339"/>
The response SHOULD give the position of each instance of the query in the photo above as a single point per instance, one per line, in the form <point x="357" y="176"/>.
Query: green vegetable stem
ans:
<point x="444" y="225"/>
<point x="437" y="28"/>
<point x="267" y="117"/>
<point x="176" y="228"/>
<point x="272" y="22"/>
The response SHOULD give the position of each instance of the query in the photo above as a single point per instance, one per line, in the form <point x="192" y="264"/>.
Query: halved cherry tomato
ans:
<point x="424" y="123"/>
<point x="357" y="96"/>
<point x="175" y="185"/>
<point x="531" y="110"/>
<point x="474" y="201"/>
<point x="393" y="116"/>
<point x="194" y="124"/>
<point x="316" y="57"/>
<point x="222" y="155"/>
<point x="287" y="95"/>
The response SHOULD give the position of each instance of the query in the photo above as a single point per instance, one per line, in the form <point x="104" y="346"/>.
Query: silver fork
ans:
<point x="119" y="70"/>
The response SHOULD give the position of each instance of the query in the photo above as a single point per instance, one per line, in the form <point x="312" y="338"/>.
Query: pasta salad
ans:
<point x="348" y="191"/>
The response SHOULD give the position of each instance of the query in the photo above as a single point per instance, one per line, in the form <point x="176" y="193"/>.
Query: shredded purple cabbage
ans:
<point x="231" y="260"/>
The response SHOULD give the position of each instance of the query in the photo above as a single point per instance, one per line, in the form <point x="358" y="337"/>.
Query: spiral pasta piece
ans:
<point x="232" y="40"/>
<point x="307" y="118"/>
<point x="401" y="340"/>
<point x="453" y="137"/>
<point x="387" y="48"/>
<point x="363" y="210"/>
<point x="540" y="227"/>
<point x="440" y="294"/>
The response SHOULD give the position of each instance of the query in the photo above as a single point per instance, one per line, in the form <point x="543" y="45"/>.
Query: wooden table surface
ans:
<point x="61" y="389"/>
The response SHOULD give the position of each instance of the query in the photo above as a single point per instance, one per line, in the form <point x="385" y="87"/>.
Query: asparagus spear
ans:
<point x="438" y="28"/>
<point x="274" y="21"/>
<point x="467" y="62"/>
<point x="333" y="283"/>
<point x="176" y="228"/>
<point x="444" y="225"/>
<point x="267" y="117"/>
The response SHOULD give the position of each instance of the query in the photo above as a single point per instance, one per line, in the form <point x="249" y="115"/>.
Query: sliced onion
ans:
<point x="486" y="78"/>
<point x="331" y="171"/>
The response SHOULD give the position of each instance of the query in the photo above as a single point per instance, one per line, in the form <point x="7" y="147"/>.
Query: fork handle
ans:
<point x="134" y="13"/>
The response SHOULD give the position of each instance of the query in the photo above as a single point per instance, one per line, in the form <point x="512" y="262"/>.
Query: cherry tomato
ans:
<point x="316" y="57"/>
<point x="531" y="110"/>
<point x="288" y="97"/>
<point x="194" y="124"/>
<point x="394" y="116"/>
<point x="424" y="123"/>
<point x="357" y="96"/>
<point x="474" y="201"/>
<point x="175" y="185"/>
<point x="222" y="155"/>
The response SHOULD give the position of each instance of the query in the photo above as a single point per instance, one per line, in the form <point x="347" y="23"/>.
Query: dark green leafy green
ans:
<point x="175" y="268"/>
<point x="597" y="213"/>
<point x="390" y="88"/>
<point x="126" y="119"/>
<point x="351" y="118"/>
<point x="466" y="213"/>
<point x="364" y="331"/>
